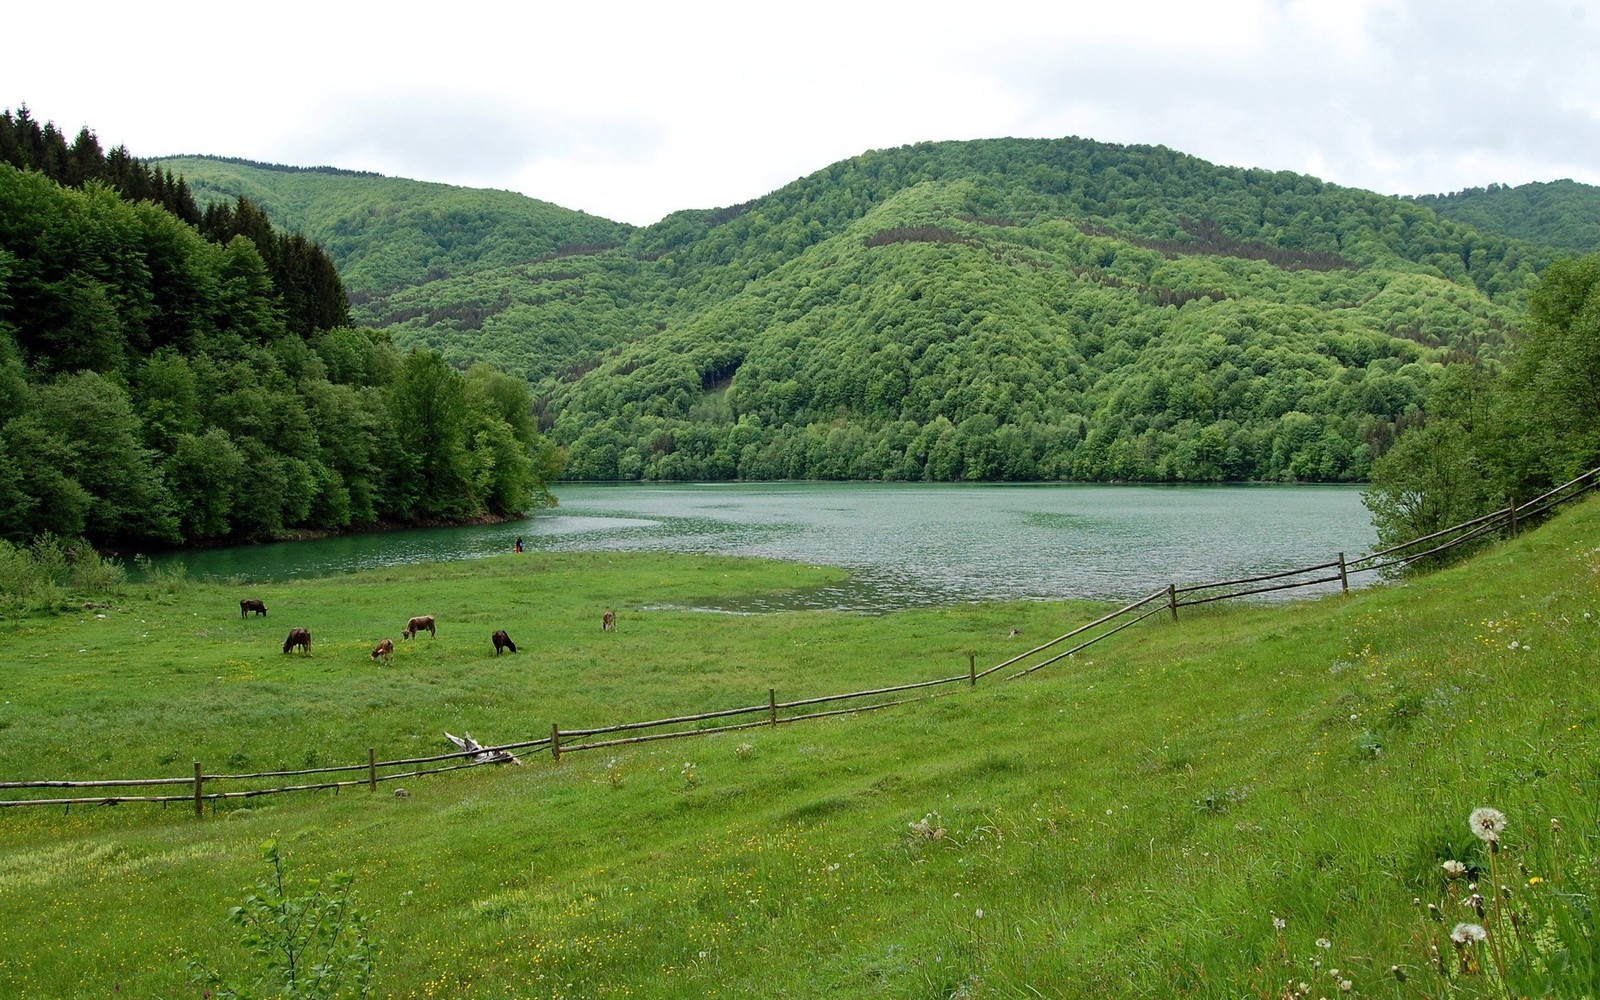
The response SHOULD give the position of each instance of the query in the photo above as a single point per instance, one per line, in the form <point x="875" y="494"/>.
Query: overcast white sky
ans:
<point x="633" y="110"/>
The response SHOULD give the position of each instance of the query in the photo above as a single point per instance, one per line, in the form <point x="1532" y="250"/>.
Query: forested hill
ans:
<point x="170" y="376"/>
<point x="1559" y="213"/>
<point x="996" y="309"/>
<point x="386" y="232"/>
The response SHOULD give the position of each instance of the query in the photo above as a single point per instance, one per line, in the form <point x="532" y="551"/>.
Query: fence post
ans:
<point x="1172" y="599"/>
<point x="199" y="780"/>
<point x="1344" y="575"/>
<point x="772" y="705"/>
<point x="972" y="669"/>
<point x="372" y="769"/>
<point x="1513" y="517"/>
<point x="555" y="742"/>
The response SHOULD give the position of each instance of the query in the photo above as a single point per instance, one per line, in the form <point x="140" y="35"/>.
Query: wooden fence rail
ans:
<point x="1509" y="518"/>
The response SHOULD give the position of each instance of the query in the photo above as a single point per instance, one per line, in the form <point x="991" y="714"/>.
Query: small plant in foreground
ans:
<point x="1522" y="936"/>
<point x="929" y="827"/>
<point x="309" y="946"/>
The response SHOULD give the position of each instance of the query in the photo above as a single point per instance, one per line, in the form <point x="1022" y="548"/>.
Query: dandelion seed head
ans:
<point x="1454" y="869"/>
<point x="1468" y="933"/>
<point x="1324" y="943"/>
<point x="1278" y="923"/>
<point x="1487" y="824"/>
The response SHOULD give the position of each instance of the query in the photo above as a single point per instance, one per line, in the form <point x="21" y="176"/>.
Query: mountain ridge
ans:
<point x="1009" y="309"/>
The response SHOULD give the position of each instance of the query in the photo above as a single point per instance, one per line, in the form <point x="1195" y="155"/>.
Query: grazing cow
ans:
<point x="384" y="650"/>
<point x="608" y="621"/>
<point x="503" y="641"/>
<point x="250" y="604"/>
<point x="298" y="637"/>
<point x="418" y="624"/>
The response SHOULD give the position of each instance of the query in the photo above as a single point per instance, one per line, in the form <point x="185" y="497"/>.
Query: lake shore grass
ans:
<point x="1130" y="822"/>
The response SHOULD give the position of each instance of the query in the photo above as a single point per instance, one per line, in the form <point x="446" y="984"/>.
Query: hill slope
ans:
<point x="1561" y="213"/>
<point x="387" y="232"/>
<point x="1000" y="309"/>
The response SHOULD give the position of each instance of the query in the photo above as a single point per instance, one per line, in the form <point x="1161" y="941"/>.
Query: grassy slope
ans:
<point x="385" y="232"/>
<point x="1127" y="823"/>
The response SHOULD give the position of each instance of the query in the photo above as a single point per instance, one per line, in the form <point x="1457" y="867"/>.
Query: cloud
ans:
<point x="633" y="110"/>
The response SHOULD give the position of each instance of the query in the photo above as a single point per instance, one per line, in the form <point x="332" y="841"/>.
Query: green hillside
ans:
<point x="1561" y="213"/>
<point x="1226" y="806"/>
<point x="387" y="232"/>
<point x="998" y="309"/>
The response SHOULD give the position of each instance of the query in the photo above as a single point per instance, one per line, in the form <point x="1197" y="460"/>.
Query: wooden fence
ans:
<point x="774" y="712"/>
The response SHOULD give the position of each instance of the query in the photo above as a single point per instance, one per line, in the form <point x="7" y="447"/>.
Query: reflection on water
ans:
<point x="906" y="544"/>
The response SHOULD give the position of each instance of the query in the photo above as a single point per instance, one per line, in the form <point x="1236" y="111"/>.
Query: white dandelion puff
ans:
<point x="1468" y="934"/>
<point x="1487" y="824"/>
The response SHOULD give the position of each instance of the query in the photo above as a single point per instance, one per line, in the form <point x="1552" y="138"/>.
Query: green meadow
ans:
<point x="1254" y="801"/>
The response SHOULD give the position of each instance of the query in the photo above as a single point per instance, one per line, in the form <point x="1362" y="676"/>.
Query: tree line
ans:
<point x="153" y="390"/>
<point x="1492" y="433"/>
<point x="304" y="279"/>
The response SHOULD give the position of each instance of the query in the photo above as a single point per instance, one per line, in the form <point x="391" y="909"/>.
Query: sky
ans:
<point x="631" y="111"/>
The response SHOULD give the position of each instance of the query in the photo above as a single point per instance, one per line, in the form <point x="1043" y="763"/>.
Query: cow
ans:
<point x="418" y="624"/>
<point x="503" y="641"/>
<point x="250" y="604"/>
<point x="608" y="621"/>
<point x="384" y="650"/>
<point x="298" y="637"/>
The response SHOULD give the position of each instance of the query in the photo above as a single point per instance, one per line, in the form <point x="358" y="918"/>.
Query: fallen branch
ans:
<point x="480" y="755"/>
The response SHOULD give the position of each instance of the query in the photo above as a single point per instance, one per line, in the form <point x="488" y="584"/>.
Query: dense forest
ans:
<point x="1003" y="309"/>
<point x="161" y="387"/>
<point x="991" y="310"/>
<point x="1562" y="214"/>
<point x="1495" y="434"/>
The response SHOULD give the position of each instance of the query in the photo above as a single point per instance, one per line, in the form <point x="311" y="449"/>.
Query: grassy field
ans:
<point x="1232" y="805"/>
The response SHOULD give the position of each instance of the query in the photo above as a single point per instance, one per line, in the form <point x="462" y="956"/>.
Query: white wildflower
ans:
<point x="1487" y="824"/>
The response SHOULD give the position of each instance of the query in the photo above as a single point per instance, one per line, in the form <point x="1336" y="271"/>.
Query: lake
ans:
<point x="908" y="544"/>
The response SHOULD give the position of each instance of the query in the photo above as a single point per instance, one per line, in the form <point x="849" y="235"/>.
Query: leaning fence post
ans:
<point x="555" y="742"/>
<point x="972" y="669"/>
<point x="1344" y="575"/>
<point x="1172" y="599"/>
<point x="372" y="769"/>
<point x="1513" y="517"/>
<point x="199" y="780"/>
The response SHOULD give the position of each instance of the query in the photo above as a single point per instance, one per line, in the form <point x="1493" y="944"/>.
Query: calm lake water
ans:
<point x="907" y="544"/>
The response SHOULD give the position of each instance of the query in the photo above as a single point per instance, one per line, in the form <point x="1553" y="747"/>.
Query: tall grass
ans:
<point x="51" y="574"/>
<point x="1228" y="806"/>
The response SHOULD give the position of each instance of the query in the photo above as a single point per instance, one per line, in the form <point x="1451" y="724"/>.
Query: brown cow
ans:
<point x="418" y="624"/>
<point x="384" y="650"/>
<point x="608" y="621"/>
<point x="298" y="637"/>
<point x="503" y="641"/>
<point x="250" y="604"/>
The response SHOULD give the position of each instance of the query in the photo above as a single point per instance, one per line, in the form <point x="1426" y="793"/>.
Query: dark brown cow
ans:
<point x="384" y="650"/>
<point x="503" y="641"/>
<point x="608" y="621"/>
<point x="250" y="604"/>
<point x="419" y="624"/>
<point x="298" y="637"/>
